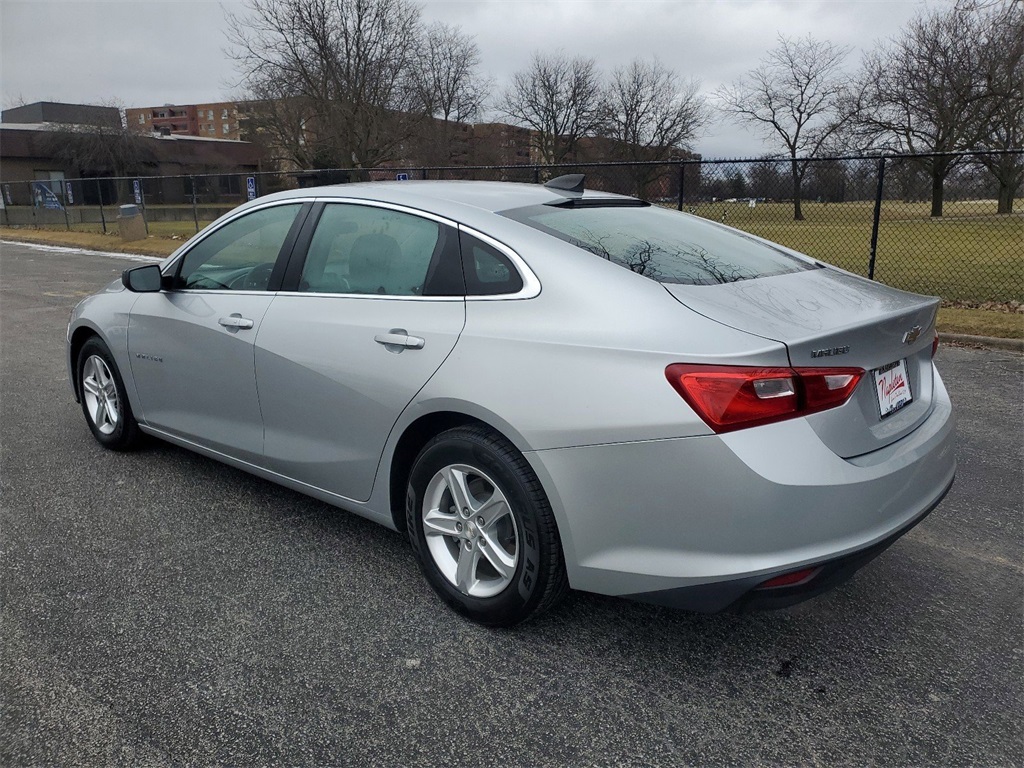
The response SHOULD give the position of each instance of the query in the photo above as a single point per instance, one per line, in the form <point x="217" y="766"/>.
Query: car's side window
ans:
<point x="370" y="250"/>
<point x="240" y="255"/>
<point x="489" y="272"/>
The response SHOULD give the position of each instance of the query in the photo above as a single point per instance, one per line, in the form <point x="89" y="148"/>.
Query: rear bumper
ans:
<point x="742" y="595"/>
<point x="698" y="523"/>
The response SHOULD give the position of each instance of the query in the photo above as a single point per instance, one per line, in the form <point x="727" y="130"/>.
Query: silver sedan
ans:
<point x="542" y="386"/>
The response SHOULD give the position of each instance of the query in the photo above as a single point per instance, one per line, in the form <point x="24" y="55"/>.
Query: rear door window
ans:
<point x="361" y="249"/>
<point x="666" y="246"/>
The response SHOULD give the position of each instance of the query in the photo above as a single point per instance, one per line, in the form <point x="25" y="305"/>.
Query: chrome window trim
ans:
<point x="170" y="267"/>
<point x="531" y="285"/>
<point x="377" y="296"/>
<point x="392" y="206"/>
<point x="219" y="292"/>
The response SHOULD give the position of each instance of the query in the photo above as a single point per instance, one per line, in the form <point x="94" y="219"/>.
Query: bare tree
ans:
<point x="794" y="97"/>
<point x="560" y="99"/>
<point x="333" y="81"/>
<point x="925" y="91"/>
<point x="651" y="115"/>
<point x="1004" y="34"/>
<point x="101" y="150"/>
<point x="451" y="89"/>
<point x="449" y="80"/>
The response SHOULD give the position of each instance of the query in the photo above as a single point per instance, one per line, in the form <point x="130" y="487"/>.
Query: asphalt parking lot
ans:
<point x="159" y="608"/>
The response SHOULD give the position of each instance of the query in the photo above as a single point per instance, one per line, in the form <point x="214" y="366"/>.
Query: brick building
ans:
<point x="219" y="120"/>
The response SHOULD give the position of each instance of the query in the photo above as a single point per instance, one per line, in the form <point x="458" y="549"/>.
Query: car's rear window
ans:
<point x="666" y="246"/>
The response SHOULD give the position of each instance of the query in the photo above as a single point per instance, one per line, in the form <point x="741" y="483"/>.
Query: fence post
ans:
<point x="536" y="174"/>
<point x="423" y="174"/>
<point x="876" y="217"/>
<point x="63" y="196"/>
<point x="682" y="176"/>
<point x="195" y="212"/>
<point x="142" y="200"/>
<point x="103" y="216"/>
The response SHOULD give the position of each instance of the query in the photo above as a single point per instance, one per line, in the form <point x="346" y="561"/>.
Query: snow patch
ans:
<point x="85" y="251"/>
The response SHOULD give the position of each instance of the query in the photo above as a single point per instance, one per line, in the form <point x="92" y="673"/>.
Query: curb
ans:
<point x="1013" y="345"/>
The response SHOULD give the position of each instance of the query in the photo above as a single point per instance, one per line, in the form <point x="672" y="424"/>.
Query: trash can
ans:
<point x="130" y="223"/>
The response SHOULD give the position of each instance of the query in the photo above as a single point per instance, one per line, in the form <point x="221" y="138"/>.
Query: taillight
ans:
<point x="730" y="397"/>
<point x="935" y="342"/>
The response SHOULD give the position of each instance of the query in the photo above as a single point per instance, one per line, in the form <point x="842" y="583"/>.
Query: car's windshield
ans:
<point x="664" y="245"/>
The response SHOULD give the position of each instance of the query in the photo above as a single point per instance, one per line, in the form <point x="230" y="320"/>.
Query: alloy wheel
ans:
<point x="100" y="394"/>
<point x="470" y="531"/>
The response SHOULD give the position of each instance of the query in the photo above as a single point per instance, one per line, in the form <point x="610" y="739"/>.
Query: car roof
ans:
<point x="447" y="197"/>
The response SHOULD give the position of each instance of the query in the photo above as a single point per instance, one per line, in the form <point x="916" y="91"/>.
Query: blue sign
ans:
<point x="7" y="194"/>
<point x="137" y="188"/>
<point x="43" y="197"/>
<point x="401" y="176"/>
<point x="250" y="187"/>
<point x="69" y="195"/>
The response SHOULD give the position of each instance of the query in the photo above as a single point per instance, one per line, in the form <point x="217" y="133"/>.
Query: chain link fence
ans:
<point x="869" y="215"/>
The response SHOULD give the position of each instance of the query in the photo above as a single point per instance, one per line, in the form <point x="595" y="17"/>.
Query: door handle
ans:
<point x="399" y="337"/>
<point x="235" y="321"/>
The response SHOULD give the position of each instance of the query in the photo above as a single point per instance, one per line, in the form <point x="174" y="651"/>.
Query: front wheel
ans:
<point x="482" y="528"/>
<point x="104" y="402"/>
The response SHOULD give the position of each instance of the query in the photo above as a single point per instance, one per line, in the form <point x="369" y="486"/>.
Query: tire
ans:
<point x="104" y="402"/>
<point x="500" y="573"/>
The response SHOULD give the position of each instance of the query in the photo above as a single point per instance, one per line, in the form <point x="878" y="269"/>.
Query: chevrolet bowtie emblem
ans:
<point x="912" y="335"/>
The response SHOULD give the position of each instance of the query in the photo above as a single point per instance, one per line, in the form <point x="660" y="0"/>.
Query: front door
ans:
<point x="191" y="347"/>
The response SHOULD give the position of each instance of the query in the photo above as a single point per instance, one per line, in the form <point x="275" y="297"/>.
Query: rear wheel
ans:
<point x="482" y="529"/>
<point x="106" y="407"/>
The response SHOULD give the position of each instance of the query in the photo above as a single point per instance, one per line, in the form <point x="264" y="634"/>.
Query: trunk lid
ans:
<point x="830" y="318"/>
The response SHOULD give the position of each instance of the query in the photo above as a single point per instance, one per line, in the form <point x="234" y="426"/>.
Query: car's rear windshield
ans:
<point x="664" y="245"/>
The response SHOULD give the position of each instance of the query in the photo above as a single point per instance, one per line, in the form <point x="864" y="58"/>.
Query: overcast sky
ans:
<point x="148" y="52"/>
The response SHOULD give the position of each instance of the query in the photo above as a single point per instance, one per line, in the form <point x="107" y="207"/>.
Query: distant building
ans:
<point x="503" y="144"/>
<point x="29" y="152"/>
<point x="64" y="114"/>
<point x="219" y="120"/>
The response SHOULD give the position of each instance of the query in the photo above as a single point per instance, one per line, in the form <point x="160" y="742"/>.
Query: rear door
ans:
<point x="191" y="347"/>
<point x="374" y="307"/>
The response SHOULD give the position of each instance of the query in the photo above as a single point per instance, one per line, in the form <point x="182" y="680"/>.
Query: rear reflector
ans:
<point x="789" y="579"/>
<point x="730" y="397"/>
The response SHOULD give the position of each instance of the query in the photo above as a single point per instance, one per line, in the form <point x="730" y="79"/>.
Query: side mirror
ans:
<point x="145" y="279"/>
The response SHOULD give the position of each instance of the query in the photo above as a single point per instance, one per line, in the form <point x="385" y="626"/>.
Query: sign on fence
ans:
<point x="7" y="194"/>
<point x="137" y="188"/>
<point x="43" y="197"/>
<point x="250" y="187"/>
<point x="69" y="196"/>
<point x="401" y="177"/>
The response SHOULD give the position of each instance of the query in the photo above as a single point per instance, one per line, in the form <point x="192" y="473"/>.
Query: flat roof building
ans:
<point x="66" y="114"/>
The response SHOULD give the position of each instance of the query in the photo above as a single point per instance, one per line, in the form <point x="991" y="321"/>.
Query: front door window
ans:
<point x="239" y="256"/>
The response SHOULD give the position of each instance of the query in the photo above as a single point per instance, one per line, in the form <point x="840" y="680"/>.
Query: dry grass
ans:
<point x="95" y="241"/>
<point x="970" y="254"/>
<point x="980" y="322"/>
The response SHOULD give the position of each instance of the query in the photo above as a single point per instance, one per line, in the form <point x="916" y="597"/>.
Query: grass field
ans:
<point x="970" y="255"/>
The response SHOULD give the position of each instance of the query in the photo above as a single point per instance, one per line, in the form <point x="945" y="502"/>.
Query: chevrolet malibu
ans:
<point x="543" y="387"/>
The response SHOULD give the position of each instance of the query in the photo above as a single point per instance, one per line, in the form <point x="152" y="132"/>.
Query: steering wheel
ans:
<point x="258" y="278"/>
